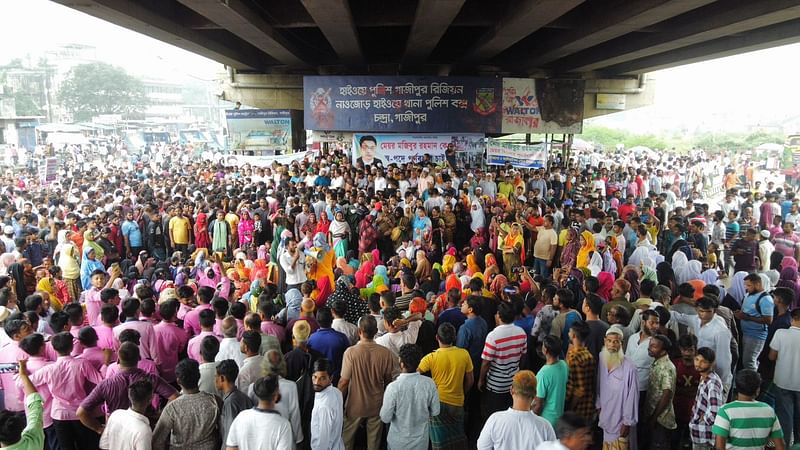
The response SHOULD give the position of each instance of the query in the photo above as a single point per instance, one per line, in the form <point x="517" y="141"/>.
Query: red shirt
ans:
<point x="686" y="381"/>
<point x="625" y="211"/>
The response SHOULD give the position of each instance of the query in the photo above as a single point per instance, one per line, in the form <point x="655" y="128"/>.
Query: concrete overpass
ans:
<point x="268" y="45"/>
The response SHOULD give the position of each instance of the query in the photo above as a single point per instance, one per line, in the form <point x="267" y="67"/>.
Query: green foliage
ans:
<point x="100" y="88"/>
<point x="609" y="138"/>
<point x="26" y="106"/>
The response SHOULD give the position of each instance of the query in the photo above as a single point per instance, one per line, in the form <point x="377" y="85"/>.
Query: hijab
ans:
<point x="736" y="290"/>
<point x="606" y="282"/>
<point x="666" y="276"/>
<point x="478" y="217"/>
<point x="6" y="260"/>
<point x="631" y="275"/>
<point x="583" y="258"/>
<point x="324" y="291"/>
<point x="569" y="253"/>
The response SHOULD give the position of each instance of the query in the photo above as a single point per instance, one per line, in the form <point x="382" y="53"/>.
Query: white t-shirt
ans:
<point x="127" y="429"/>
<point x="255" y="429"/>
<point x="296" y="274"/>
<point x="785" y="342"/>
<point x="515" y="429"/>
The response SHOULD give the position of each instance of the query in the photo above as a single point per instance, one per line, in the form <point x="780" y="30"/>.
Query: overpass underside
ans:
<point x="607" y="42"/>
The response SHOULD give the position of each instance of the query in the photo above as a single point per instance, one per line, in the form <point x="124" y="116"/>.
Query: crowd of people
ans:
<point x="601" y="302"/>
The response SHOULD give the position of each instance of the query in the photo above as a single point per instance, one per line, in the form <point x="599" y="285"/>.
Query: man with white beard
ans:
<point x="617" y="394"/>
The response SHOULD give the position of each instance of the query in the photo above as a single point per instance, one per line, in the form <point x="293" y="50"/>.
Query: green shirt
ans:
<point x="663" y="377"/>
<point x="747" y="425"/>
<point x="551" y="386"/>
<point x="33" y="435"/>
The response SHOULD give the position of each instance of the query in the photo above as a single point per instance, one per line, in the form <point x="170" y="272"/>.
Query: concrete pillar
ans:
<point x="265" y="91"/>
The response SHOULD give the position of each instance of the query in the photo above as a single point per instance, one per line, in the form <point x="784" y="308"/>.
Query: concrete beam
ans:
<point x="767" y="37"/>
<point x="132" y="15"/>
<point x="723" y="18"/>
<point x="241" y="20"/>
<point x="521" y="21"/>
<point x="614" y="22"/>
<point x="335" y="20"/>
<point x="431" y="21"/>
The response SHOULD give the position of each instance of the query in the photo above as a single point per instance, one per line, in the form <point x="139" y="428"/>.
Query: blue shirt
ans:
<point x="526" y="323"/>
<point x="752" y="329"/>
<point x="453" y="316"/>
<point x="332" y="344"/>
<point x="131" y="230"/>
<point x="472" y="337"/>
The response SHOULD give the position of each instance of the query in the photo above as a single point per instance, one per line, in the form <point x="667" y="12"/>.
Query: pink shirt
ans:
<point x="93" y="306"/>
<point x="271" y="328"/>
<point x="146" y="365"/>
<point x="35" y="363"/>
<point x="147" y="337"/>
<point x="11" y="353"/>
<point x="95" y="357"/>
<point x="77" y="348"/>
<point x="67" y="379"/>
<point x="170" y="340"/>
<point x="105" y="336"/>
<point x="191" y="322"/>
<point x="193" y="347"/>
<point x="182" y="311"/>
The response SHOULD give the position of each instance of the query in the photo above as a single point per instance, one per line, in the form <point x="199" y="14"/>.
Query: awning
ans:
<point x="67" y="138"/>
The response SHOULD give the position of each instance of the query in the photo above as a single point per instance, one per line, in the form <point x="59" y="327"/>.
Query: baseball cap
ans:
<point x="301" y="330"/>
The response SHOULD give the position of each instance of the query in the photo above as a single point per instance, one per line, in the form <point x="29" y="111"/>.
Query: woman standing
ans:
<point x="69" y="262"/>
<point x="513" y="250"/>
<point x="339" y="234"/>
<point x="368" y="235"/>
<point x="422" y="228"/>
<point x="201" y="239"/>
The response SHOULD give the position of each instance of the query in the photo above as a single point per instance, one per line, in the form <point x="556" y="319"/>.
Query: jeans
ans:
<point x="751" y="348"/>
<point x="493" y="402"/>
<point x="72" y="435"/>
<point x="787" y="408"/>
<point x="540" y="266"/>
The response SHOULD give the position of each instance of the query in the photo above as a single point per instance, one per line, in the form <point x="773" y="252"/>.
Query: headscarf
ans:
<point x="773" y="276"/>
<point x="472" y="265"/>
<point x="341" y="264"/>
<point x="788" y="261"/>
<point x="631" y="275"/>
<point x="17" y="272"/>
<point x="324" y="224"/>
<point x="766" y="283"/>
<point x="478" y="217"/>
<point x="324" y="291"/>
<point x="596" y="264"/>
<point x="88" y="266"/>
<point x="491" y="266"/>
<point x="364" y="274"/>
<point x="583" y="258"/>
<point x="666" y="276"/>
<point x="709" y="276"/>
<point x="648" y="267"/>
<point x="384" y="273"/>
<point x="569" y="253"/>
<point x="452" y="282"/>
<point x="680" y="265"/>
<point x="498" y="284"/>
<point x="423" y="271"/>
<point x="736" y="290"/>
<point x="7" y="259"/>
<point x="448" y="261"/>
<point x="788" y="279"/>
<point x="606" y="282"/>
<point x="293" y="300"/>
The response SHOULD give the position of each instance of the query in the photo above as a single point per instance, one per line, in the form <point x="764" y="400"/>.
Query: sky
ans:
<point x="757" y="88"/>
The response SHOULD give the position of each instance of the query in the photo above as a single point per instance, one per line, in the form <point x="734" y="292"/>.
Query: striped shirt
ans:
<point x="706" y="405"/>
<point x="504" y="348"/>
<point x="747" y="425"/>
<point x="786" y="243"/>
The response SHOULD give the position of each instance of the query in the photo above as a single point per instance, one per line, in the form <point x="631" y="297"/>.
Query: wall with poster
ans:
<point x="265" y="131"/>
<point x="518" y="155"/>
<point x="542" y="106"/>
<point x="402" y="104"/>
<point x="406" y="148"/>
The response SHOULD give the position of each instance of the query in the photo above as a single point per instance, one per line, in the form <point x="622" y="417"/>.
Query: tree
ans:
<point x="100" y="88"/>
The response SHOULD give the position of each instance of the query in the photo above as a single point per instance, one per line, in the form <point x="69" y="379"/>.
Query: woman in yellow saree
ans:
<point x="585" y="253"/>
<point x="513" y="250"/>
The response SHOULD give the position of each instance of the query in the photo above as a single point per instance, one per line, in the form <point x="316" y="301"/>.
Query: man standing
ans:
<point x="327" y="417"/>
<point x="294" y="264"/>
<point x="658" y="410"/>
<point x="367" y="368"/>
<point x="517" y="427"/>
<point x="180" y="231"/>
<point x="544" y="249"/>
<point x="785" y="351"/>
<point x="744" y="251"/>
<point x="746" y="422"/>
<point x="409" y="403"/>
<point x="155" y="239"/>
<point x="551" y="386"/>
<point x="582" y="369"/>
<point x="191" y="420"/>
<point x="502" y="352"/>
<point x="710" y="396"/>
<point x="261" y="427"/>
<point x="755" y="317"/>
<point x="234" y="401"/>
<point x="452" y="371"/>
<point x="132" y="236"/>
<point x="329" y="342"/>
<point x="617" y="392"/>
<point x="130" y="428"/>
<point x="637" y="351"/>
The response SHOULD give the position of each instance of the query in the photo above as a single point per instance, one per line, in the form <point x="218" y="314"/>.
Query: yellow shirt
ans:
<point x="179" y="228"/>
<point x="448" y="367"/>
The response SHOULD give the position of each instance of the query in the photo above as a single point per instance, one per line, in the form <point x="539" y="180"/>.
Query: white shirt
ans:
<point x="288" y="407"/>
<point x="552" y="445"/>
<point x="714" y="335"/>
<point x="638" y="355"/>
<point x="327" y="419"/>
<point x="294" y="274"/>
<point x="514" y="429"/>
<point x="346" y="328"/>
<point x="229" y="349"/>
<point x="255" y="429"/>
<point x="393" y="341"/>
<point x="785" y="342"/>
<point x="249" y="372"/>
<point x="126" y="429"/>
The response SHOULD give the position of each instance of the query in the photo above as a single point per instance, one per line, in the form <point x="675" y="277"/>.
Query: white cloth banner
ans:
<point x="518" y="155"/>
